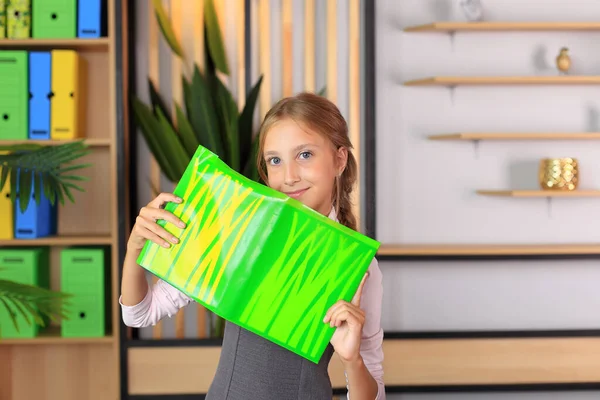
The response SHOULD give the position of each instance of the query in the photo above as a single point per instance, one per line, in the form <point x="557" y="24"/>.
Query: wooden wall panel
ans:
<point x="66" y="372"/>
<point x="407" y="362"/>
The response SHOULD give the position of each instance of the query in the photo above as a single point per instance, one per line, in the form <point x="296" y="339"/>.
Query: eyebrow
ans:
<point x="295" y="149"/>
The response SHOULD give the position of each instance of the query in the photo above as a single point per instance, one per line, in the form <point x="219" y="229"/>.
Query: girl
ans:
<point x="305" y="152"/>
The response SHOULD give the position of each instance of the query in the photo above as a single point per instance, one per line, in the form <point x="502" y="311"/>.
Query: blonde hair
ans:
<point x="323" y="117"/>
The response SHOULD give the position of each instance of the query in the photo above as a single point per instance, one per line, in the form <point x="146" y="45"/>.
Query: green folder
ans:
<point x="258" y="258"/>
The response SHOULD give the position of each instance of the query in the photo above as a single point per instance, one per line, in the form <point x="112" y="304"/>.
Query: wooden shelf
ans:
<point x="518" y="136"/>
<point x="78" y="43"/>
<point x="90" y="142"/>
<point x="485" y="249"/>
<point x="505" y="80"/>
<point x="540" y="193"/>
<point x="51" y="336"/>
<point x="80" y="240"/>
<point x="504" y="26"/>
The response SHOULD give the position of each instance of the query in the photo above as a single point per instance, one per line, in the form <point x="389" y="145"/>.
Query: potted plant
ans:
<point x="209" y="115"/>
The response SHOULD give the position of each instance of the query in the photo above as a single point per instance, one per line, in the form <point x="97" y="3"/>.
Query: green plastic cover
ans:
<point x="258" y="258"/>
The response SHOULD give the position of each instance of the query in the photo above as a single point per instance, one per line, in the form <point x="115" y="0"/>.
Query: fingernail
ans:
<point x="174" y="239"/>
<point x="181" y="225"/>
<point x="179" y="199"/>
<point x="167" y="245"/>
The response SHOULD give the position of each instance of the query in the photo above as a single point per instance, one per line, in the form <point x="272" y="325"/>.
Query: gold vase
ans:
<point x="559" y="173"/>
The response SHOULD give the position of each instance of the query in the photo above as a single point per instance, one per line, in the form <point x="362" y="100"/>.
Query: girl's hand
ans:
<point x="146" y="228"/>
<point x="349" y="320"/>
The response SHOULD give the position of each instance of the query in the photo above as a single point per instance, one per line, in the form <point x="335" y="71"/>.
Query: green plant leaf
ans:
<point x="202" y="115"/>
<point x="250" y="168"/>
<point x="157" y="101"/>
<point x="31" y="302"/>
<point x="3" y="177"/>
<point x="186" y="132"/>
<point x="37" y="188"/>
<point x="169" y="140"/>
<point x="11" y="313"/>
<point x="150" y="129"/>
<point x="228" y="123"/>
<point x="322" y="92"/>
<point x="213" y="36"/>
<point x="245" y="123"/>
<point x="166" y="29"/>
<point x="187" y="95"/>
<point x="38" y="162"/>
<point x="24" y="191"/>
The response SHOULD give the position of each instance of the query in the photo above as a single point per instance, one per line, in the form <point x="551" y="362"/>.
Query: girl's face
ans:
<point x="302" y="164"/>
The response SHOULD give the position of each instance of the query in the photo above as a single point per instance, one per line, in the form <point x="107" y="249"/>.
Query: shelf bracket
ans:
<point x="476" y="143"/>
<point x="451" y="36"/>
<point x="452" y="89"/>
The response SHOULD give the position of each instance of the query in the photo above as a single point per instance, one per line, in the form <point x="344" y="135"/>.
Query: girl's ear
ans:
<point x="342" y="159"/>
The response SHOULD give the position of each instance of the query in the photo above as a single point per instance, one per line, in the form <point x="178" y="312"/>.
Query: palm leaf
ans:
<point x="166" y="28"/>
<point x="214" y="39"/>
<point x="40" y="168"/>
<point x="32" y="302"/>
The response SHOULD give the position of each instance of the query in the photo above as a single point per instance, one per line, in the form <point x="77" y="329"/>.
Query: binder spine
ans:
<point x="40" y="93"/>
<point x="18" y="14"/>
<point x="89" y="22"/>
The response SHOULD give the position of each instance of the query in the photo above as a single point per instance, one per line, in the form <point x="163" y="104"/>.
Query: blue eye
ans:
<point x="305" y="154"/>
<point x="274" y="160"/>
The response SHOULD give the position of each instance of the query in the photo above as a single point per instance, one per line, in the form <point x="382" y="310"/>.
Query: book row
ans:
<point x="52" y="19"/>
<point x="84" y="276"/>
<point x="43" y="95"/>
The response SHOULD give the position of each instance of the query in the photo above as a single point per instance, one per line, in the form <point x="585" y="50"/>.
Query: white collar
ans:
<point x="332" y="214"/>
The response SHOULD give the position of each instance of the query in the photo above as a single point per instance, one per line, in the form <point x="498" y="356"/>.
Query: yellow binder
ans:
<point x="6" y="213"/>
<point x="2" y="19"/>
<point x="67" y="115"/>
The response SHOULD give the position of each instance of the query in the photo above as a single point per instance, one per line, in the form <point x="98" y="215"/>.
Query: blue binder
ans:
<point x="90" y="18"/>
<point x="40" y="78"/>
<point x="38" y="220"/>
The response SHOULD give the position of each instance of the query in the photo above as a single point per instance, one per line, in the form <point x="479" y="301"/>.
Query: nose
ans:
<point x="291" y="174"/>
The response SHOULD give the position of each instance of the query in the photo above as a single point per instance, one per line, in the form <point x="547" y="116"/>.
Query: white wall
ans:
<point x="426" y="188"/>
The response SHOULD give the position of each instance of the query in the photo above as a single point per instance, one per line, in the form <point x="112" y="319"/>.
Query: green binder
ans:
<point x="84" y="275"/>
<point x="27" y="266"/>
<point x="54" y="19"/>
<point x="257" y="257"/>
<point x="14" y="95"/>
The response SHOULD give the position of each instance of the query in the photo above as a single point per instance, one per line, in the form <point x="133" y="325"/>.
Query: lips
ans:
<point x="296" y="194"/>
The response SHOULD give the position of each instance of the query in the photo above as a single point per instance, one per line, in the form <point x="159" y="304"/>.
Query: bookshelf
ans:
<point x="50" y="366"/>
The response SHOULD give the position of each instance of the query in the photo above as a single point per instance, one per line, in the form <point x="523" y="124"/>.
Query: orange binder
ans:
<point x="67" y="114"/>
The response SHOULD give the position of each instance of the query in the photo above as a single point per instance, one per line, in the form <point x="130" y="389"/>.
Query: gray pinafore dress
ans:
<point x="253" y="368"/>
